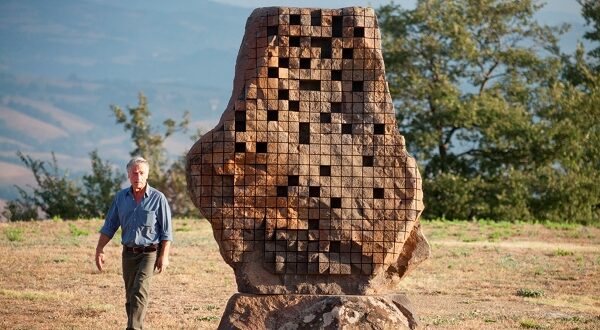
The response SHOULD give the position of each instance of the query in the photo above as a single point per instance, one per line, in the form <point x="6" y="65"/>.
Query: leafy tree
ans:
<point x="590" y="10"/>
<point x="566" y="189"/>
<point x="176" y="190"/>
<point x="55" y="194"/>
<point x="20" y="210"/>
<point x="149" y="143"/>
<point x="469" y="78"/>
<point x="100" y="186"/>
<point x="577" y="71"/>
<point x="148" y="140"/>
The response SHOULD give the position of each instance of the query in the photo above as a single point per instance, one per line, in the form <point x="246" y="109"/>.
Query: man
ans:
<point x="144" y="216"/>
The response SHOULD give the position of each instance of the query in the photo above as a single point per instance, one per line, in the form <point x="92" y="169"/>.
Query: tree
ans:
<point x="176" y="190"/>
<point x="566" y="189"/>
<point x="590" y="10"/>
<point x="20" y="210"/>
<point x="147" y="140"/>
<point x="100" y="186"/>
<point x="469" y="78"/>
<point x="149" y="143"/>
<point x="55" y="194"/>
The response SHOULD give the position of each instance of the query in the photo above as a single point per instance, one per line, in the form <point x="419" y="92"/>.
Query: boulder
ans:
<point x="306" y="180"/>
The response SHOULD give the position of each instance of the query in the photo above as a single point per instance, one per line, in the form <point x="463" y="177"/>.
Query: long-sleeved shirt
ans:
<point x="143" y="224"/>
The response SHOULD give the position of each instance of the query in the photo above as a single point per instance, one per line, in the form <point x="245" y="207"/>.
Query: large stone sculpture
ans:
<point x="305" y="180"/>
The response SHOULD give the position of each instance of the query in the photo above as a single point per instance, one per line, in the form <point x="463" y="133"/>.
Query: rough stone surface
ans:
<point x="246" y="311"/>
<point x="306" y="180"/>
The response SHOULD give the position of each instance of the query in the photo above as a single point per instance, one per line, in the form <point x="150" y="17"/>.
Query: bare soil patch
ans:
<point x="481" y="276"/>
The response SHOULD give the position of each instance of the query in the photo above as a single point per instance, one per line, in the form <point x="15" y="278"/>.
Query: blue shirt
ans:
<point x="146" y="223"/>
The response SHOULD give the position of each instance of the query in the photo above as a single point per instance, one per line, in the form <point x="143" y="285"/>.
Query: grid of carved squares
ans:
<point x="304" y="106"/>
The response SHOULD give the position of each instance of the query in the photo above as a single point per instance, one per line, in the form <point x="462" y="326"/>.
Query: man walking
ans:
<point x="144" y="216"/>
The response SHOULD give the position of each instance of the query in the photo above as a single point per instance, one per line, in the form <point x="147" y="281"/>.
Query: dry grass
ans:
<point x="481" y="276"/>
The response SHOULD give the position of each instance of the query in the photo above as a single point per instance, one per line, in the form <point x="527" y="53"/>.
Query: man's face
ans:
<point x="138" y="175"/>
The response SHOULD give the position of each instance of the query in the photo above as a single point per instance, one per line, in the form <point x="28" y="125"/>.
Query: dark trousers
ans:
<point x="138" y="268"/>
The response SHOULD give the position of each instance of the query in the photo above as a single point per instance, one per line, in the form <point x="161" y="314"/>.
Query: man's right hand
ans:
<point x="100" y="260"/>
<point x="102" y="241"/>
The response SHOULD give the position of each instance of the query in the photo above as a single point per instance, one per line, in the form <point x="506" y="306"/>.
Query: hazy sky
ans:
<point x="315" y="3"/>
<point x="553" y="13"/>
<point x="566" y="6"/>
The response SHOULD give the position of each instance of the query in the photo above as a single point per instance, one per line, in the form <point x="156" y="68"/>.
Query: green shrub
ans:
<point x="76" y="232"/>
<point x="530" y="324"/>
<point x="561" y="225"/>
<point x="184" y="228"/>
<point x="209" y="318"/>
<point x="563" y="253"/>
<point x="529" y="293"/>
<point x="14" y="234"/>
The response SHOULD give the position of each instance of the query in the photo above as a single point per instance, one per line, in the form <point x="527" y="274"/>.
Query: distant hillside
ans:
<point x="63" y="62"/>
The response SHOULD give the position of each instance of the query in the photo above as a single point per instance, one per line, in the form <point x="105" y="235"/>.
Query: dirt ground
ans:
<point x="481" y="275"/>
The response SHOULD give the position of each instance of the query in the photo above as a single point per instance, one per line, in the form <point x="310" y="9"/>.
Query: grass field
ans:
<point x="482" y="275"/>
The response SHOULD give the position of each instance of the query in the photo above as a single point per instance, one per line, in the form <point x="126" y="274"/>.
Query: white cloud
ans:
<point x="15" y="174"/>
<point x="30" y="126"/>
<point x="73" y="98"/>
<point x="113" y="140"/>
<point x="79" y="61"/>
<point x="23" y="79"/>
<point x="214" y="104"/>
<point x="203" y="125"/>
<point x="42" y="28"/>
<point x="25" y="20"/>
<point x="177" y="144"/>
<point x="126" y="59"/>
<point x="70" y="122"/>
<point x="68" y="162"/>
<point x="65" y="161"/>
<point x="193" y="27"/>
<point x="20" y="145"/>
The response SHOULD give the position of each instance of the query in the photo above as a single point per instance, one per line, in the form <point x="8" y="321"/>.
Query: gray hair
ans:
<point x="136" y="161"/>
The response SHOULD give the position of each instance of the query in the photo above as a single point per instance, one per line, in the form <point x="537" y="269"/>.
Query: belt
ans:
<point x="141" y="249"/>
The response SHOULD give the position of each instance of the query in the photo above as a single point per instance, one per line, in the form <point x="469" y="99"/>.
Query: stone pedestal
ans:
<point x="249" y="311"/>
